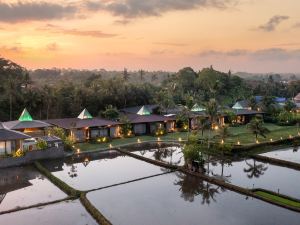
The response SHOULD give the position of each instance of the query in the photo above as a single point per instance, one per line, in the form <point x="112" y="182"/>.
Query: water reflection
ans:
<point x="191" y="186"/>
<point x="24" y="186"/>
<point x="172" y="155"/>
<point x="85" y="172"/>
<point x="288" y="154"/>
<point x="255" y="170"/>
<point x="176" y="199"/>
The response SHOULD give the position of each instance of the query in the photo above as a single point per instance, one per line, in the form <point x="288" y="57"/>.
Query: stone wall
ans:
<point x="30" y="157"/>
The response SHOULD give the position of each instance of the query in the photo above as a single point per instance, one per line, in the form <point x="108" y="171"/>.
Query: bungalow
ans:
<point x="25" y="124"/>
<point x="85" y="127"/>
<point x="10" y="140"/>
<point x="144" y="122"/>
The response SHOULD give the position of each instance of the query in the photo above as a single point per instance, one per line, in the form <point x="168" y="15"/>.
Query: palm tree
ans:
<point x="224" y="132"/>
<point x="255" y="170"/>
<point x="212" y="112"/>
<point x="257" y="128"/>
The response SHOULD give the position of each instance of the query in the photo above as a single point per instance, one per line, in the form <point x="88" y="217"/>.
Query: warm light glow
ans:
<point x="239" y="143"/>
<point x="179" y="139"/>
<point x="222" y="142"/>
<point x="216" y="128"/>
<point x="138" y="140"/>
<point x="271" y="140"/>
<point x="158" y="139"/>
<point x="78" y="150"/>
<point x="257" y="142"/>
<point x="110" y="145"/>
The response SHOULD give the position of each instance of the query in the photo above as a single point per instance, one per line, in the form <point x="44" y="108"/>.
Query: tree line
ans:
<point x="67" y="98"/>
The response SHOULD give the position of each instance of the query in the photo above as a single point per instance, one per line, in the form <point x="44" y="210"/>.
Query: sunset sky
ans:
<point x="241" y="35"/>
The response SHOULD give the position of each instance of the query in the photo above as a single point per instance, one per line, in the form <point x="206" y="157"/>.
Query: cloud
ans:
<point x="30" y="11"/>
<point x="52" y="46"/>
<point x="76" y="32"/>
<point x="137" y="8"/>
<point x="11" y="49"/>
<point x="172" y="44"/>
<point x="296" y="25"/>
<point x="273" y="23"/>
<point x="270" y="54"/>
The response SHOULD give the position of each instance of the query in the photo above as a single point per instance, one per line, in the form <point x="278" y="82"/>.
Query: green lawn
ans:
<point x="241" y="134"/>
<point x="278" y="199"/>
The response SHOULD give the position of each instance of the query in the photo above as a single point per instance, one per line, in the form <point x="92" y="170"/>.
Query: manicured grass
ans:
<point x="241" y="134"/>
<point x="278" y="199"/>
<point x="127" y="141"/>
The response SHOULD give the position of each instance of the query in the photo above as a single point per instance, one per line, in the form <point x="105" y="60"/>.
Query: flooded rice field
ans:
<point x="289" y="154"/>
<point x="24" y="186"/>
<point x="171" y="155"/>
<point x="64" y="213"/>
<point x="251" y="174"/>
<point x="87" y="173"/>
<point x="154" y="195"/>
<point x="176" y="199"/>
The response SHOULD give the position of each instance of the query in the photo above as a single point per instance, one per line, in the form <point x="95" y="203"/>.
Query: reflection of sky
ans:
<point x="105" y="172"/>
<point x="270" y="177"/>
<point x="24" y="186"/>
<point x="176" y="199"/>
<point x="64" y="213"/>
<point x="290" y="154"/>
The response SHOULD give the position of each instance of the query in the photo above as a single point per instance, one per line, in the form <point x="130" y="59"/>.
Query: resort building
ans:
<point x="25" y="124"/>
<point x="144" y="122"/>
<point x="86" y="127"/>
<point x="10" y="140"/>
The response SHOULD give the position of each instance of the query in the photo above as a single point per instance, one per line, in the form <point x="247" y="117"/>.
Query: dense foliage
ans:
<point x="64" y="93"/>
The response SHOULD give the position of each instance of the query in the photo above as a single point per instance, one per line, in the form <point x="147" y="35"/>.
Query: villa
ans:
<point x="25" y="124"/>
<point x="10" y="140"/>
<point x="145" y="122"/>
<point x="86" y="127"/>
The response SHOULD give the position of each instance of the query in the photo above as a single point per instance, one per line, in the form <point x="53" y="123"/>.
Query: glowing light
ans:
<point x="216" y="127"/>
<point x="238" y="143"/>
<point x="138" y="140"/>
<point x="257" y="142"/>
<point x="290" y="136"/>
<point x="271" y="140"/>
<point x="222" y="142"/>
<point x="158" y="139"/>
<point x="78" y="151"/>
<point x="281" y="138"/>
<point x="179" y="139"/>
<point x="110" y="145"/>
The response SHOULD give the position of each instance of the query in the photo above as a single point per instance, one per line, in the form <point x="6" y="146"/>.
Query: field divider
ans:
<point x="232" y="187"/>
<point x="73" y="194"/>
<point x="128" y="182"/>
<point x="36" y="205"/>
<point x="278" y="162"/>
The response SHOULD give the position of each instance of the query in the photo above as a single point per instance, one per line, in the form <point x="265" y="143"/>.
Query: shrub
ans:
<point x="41" y="144"/>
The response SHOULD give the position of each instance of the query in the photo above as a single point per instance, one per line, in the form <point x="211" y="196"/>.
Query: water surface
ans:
<point x="176" y="199"/>
<point x="171" y="155"/>
<point x="25" y="186"/>
<point x="64" y="213"/>
<point x="88" y="173"/>
<point x="289" y="154"/>
<point x="250" y="173"/>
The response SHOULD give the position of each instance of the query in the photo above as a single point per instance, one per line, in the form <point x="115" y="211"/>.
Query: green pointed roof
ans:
<point x="197" y="108"/>
<point x="85" y="115"/>
<point x="25" y="116"/>
<point x="237" y="106"/>
<point x="144" y="111"/>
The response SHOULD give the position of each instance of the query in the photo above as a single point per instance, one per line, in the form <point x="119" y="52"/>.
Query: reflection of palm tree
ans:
<point x="255" y="170"/>
<point x="209" y="193"/>
<point x="192" y="186"/>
